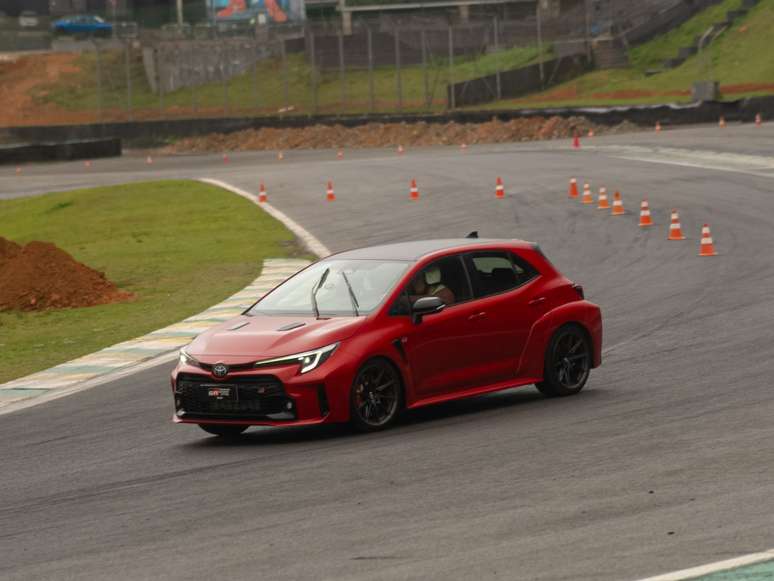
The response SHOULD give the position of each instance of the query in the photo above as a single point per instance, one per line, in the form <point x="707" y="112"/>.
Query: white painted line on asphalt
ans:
<point x="312" y="244"/>
<point x="726" y="565"/>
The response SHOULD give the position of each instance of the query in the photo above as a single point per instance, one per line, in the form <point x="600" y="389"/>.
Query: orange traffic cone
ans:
<point x="645" y="219"/>
<point x="576" y="141"/>
<point x="675" y="230"/>
<point x="413" y="191"/>
<point x="18" y="170"/>
<point x="339" y="154"/>
<point x="758" y="120"/>
<point x="707" y="248"/>
<point x="591" y="133"/>
<point x="658" y="126"/>
<point x="618" y="208"/>
<point x="587" y="197"/>
<point x="87" y="164"/>
<point x="329" y="195"/>
<point x="262" y="197"/>
<point x="463" y="146"/>
<point x="499" y="189"/>
<point x="602" y="203"/>
<point x="149" y="160"/>
<point x="225" y="158"/>
<point x="400" y="150"/>
<point x="573" y="191"/>
<point x="280" y="156"/>
<point x="722" y="122"/>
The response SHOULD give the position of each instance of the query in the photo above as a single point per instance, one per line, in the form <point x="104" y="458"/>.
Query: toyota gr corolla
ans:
<point x="363" y="334"/>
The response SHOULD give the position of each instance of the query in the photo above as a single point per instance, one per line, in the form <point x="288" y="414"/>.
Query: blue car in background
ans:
<point x="83" y="25"/>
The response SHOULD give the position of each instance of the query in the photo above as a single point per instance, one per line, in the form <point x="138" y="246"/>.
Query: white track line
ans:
<point x="312" y="244"/>
<point x="726" y="565"/>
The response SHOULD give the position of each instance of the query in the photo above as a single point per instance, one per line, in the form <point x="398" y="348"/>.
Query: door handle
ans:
<point x="537" y="301"/>
<point x="475" y="316"/>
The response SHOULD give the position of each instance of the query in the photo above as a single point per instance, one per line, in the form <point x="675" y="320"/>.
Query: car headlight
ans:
<point x="308" y="360"/>
<point x="186" y="359"/>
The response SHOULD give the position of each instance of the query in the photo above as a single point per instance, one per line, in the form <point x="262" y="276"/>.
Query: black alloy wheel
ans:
<point x="223" y="431"/>
<point x="568" y="362"/>
<point x="376" y="396"/>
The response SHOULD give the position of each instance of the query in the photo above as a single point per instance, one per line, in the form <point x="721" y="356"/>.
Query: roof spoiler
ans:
<point x="473" y="234"/>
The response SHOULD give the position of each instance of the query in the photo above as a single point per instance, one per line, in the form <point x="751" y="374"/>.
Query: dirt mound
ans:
<point x="41" y="276"/>
<point x="390" y="134"/>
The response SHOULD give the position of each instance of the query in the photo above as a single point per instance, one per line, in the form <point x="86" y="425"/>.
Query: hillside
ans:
<point x="740" y="60"/>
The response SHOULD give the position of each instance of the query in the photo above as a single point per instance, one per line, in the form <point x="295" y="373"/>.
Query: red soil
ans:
<point x="41" y="276"/>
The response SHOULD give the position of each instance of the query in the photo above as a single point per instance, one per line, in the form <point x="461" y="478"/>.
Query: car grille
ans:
<point x="241" y="397"/>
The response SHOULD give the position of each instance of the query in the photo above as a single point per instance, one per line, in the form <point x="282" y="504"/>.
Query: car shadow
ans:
<point x="467" y="409"/>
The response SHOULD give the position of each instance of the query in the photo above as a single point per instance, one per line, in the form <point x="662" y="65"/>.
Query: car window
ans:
<point x="444" y="278"/>
<point x="496" y="272"/>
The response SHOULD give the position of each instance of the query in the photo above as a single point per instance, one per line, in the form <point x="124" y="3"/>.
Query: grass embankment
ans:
<point x="740" y="60"/>
<point x="179" y="246"/>
<point x="263" y="91"/>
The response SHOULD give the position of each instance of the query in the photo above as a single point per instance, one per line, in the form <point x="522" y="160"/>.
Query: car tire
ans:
<point x="376" y="397"/>
<point x="223" y="431"/>
<point x="567" y="362"/>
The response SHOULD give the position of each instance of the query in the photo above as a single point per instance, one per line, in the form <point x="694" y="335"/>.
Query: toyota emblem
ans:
<point x="220" y="370"/>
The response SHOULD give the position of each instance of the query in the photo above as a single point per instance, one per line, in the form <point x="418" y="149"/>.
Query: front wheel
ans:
<point x="567" y="363"/>
<point x="376" y="396"/>
<point x="223" y="431"/>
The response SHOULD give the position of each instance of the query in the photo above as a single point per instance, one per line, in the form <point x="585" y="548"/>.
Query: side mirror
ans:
<point x="426" y="306"/>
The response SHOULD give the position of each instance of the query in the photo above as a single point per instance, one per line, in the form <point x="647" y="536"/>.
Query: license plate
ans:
<point x="227" y="392"/>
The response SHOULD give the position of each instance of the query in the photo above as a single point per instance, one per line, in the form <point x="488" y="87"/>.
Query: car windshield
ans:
<point x="350" y="286"/>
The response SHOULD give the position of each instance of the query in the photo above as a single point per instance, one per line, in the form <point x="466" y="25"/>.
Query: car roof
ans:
<point x="418" y="249"/>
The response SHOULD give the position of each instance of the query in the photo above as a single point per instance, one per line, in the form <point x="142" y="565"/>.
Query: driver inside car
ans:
<point x="428" y="284"/>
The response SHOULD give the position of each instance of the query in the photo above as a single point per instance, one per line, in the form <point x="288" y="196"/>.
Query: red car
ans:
<point x="363" y="334"/>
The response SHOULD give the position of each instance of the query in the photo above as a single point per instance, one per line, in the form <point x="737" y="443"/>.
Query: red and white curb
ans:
<point x="159" y="346"/>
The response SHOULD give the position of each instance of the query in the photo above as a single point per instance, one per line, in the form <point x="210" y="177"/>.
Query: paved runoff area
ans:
<point x="662" y="465"/>
<point x="86" y="371"/>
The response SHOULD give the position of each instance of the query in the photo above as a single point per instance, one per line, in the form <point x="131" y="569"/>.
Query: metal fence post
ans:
<point x="160" y="81"/>
<point x="224" y="74"/>
<point x="99" y="80"/>
<point x="313" y="73"/>
<point x="425" y="78"/>
<point x="128" y="71"/>
<point x="452" y="97"/>
<point x="370" y="71"/>
<point x="256" y="100"/>
<point x="398" y="80"/>
<point x="285" y="97"/>
<point x="498" y="82"/>
<point x="540" y="42"/>
<point x="342" y="70"/>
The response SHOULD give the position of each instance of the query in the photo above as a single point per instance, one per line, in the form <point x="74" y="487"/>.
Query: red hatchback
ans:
<point x="363" y="334"/>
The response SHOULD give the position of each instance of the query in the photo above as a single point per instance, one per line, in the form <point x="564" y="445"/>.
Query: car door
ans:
<point x="442" y="349"/>
<point x="505" y="290"/>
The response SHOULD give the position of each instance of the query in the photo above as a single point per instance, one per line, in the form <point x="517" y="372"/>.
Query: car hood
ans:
<point x="261" y="337"/>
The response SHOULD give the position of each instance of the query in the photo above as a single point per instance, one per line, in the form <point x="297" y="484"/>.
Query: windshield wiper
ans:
<point x="355" y="304"/>
<point x="314" y="292"/>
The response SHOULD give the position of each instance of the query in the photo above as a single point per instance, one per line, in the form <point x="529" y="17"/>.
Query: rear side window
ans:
<point x="497" y="272"/>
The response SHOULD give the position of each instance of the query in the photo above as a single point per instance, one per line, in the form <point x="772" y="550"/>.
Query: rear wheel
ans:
<point x="223" y="431"/>
<point x="567" y="363"/>
<point x="376" y="396"/>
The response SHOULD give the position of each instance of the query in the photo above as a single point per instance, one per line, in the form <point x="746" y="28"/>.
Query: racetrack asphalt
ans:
<point x="663" y="462"/>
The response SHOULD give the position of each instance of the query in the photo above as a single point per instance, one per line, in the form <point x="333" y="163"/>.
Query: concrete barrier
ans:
<point x="65" y="151"/>
<point x="151" y="132"/>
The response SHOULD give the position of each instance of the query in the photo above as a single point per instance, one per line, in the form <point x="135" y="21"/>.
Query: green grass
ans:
<point x="79" y="91"/>
<point x="179" y="246"/>
<point x="740" y="55"/>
